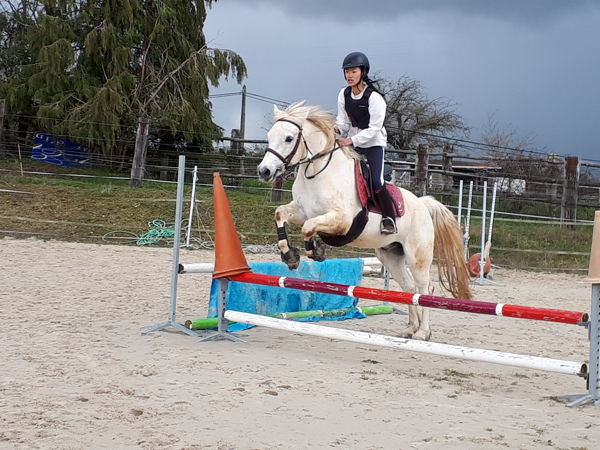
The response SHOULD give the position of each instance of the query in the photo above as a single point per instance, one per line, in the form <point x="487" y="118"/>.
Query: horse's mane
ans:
<point x="320" y="118"/>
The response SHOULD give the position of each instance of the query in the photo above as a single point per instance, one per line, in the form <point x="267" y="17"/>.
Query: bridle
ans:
<point x="288" y="159"/>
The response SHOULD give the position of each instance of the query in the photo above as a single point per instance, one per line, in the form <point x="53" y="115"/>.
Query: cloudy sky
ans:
<point x="533" y="64"/>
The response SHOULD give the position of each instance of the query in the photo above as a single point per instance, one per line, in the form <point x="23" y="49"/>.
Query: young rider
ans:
<point x="361" y="112"/>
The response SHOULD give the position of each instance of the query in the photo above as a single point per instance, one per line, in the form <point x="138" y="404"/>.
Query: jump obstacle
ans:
<point x="230" y="264"/>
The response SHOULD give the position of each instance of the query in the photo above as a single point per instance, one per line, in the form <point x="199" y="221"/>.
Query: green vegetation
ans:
<point x="86" y="209"/>
<point x="89" y="69"/>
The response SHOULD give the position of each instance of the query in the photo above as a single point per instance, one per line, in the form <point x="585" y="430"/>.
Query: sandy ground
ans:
<point x="75" y="371"/>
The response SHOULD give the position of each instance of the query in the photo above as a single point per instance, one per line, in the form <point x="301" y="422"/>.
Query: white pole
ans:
<point x="483" y="212"/>
<point x="453" y="351"/>
<point x="492" y="209"/>
<point x="368" y="268"/>
<point x="468" y="221"/>
<point x="192" y="207"/>
<point x="460" y="195"/>
<point x="20" y="161"/>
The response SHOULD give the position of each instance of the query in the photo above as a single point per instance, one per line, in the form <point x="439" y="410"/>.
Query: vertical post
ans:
<point x="243" y="115"/>
<point x="192" y="207"/>
<point x="276" y="191"/>
<point x="171" y="321"/>
<point x="421" y="170"/>
<point x="235" y="143"/>
<point x="460" y="196"/>
<point x="554" y="176"/>
<point x="447" y="166"/>
<point x="139" y="156"/>
<point x="2" y="112"/>
<point x="594" y="334"/>
<point x="177" y="236"/>
<point x="221" y="305"/>
<point x="568" y="210"/>
<point x="483" y="212"/>
<point x="164" y="171"/>
<point x="467" y="236"/>
<point x="20" y="160"/>
<point x="492" y="210"/>
<point x="593" y="375"/>
<point x="222" y="322"/>
<point x="594" y="323"/>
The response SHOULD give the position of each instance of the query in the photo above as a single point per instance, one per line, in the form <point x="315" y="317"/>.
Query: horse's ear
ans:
<point x="276" y="110"/>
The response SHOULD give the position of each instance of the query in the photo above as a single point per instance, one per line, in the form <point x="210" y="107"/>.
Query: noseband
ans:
<point x="286" y="161"/>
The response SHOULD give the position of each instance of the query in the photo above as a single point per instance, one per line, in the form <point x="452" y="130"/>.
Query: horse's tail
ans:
<point x="448" y="249"/>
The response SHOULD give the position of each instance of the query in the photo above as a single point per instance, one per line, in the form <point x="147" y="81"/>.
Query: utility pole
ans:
<point x="242" y="134"/>
<point x="242" y="131"/>
<point x="2" y="111"/>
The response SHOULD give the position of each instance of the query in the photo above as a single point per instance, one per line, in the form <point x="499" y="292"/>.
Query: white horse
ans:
<point x="325" y="203"/>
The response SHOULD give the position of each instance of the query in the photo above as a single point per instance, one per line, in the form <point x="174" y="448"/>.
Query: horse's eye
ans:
<point x="289" y="139"/>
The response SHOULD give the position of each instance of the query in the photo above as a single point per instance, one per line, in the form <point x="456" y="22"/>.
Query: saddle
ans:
<point x="364" y="189"/>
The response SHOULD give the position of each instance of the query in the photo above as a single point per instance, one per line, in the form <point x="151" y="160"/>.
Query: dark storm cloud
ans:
<point x="529" y="11"/>
<point x="532" y="63"/>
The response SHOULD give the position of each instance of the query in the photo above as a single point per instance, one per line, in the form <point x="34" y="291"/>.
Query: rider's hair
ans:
<point x="373" y="84"/>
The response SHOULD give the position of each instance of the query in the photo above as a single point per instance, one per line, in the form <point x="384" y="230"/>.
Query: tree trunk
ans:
<point x="139" y="157"/>
<point x="2" y="111"/>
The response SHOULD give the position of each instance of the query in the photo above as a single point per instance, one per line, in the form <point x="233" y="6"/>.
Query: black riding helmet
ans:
<point x="356" y="59"/>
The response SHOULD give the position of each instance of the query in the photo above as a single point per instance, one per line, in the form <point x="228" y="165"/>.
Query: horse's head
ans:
<point x="295" y="132"/>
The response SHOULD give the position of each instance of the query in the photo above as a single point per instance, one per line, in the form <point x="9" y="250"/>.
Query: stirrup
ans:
<point x="388" y="226"/>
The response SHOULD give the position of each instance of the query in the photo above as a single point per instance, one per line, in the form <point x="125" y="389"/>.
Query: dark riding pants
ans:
<point x="374" y="156"/>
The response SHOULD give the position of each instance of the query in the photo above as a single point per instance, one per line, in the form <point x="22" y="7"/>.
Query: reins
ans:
<point x="308" y="161"/>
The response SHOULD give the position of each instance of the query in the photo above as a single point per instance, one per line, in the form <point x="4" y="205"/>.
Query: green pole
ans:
<point x="211" y="322"/>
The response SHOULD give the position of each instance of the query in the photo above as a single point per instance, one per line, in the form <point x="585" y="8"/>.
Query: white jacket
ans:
<point x="373" y="136"/>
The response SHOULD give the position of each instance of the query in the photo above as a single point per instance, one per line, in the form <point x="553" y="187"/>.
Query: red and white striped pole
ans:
<point x="430" y="301"/>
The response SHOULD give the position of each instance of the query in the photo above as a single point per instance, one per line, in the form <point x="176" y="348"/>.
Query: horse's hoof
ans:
<point x="422" y="335"/>
<point x="291" y="258"/>
<point x="407" y="333"/>
<point x="319" y="254"/>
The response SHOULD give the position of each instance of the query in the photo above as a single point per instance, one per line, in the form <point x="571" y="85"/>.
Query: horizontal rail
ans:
<point x="430" y="301"/>
<point x="453" y="351"/>
<point x="368" y="264"/>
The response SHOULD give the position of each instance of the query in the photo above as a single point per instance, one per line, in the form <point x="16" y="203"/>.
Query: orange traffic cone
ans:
<point x="594" y="269"/>
<point x="229" y="257"/>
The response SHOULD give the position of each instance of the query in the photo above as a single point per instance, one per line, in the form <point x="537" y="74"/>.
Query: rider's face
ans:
<point x="353" y="75"/>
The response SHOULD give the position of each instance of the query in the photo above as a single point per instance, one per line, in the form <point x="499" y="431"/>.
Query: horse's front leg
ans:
<point x="333" y="222"/>
<point x="290" y="213"/>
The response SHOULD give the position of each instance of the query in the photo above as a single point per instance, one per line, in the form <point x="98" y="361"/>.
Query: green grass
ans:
<point x="85" y="209"/>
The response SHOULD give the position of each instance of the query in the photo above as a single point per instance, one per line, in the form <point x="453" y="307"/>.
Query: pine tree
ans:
<point x="95" y="67"/>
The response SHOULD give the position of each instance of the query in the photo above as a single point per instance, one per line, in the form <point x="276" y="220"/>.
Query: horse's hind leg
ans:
<point x="333" y="222"/>
<point x="419" y="261"/>
<point x="393" y="259"/>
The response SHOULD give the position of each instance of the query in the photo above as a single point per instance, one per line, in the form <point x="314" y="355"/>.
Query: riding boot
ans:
<point x="388" y="213"/>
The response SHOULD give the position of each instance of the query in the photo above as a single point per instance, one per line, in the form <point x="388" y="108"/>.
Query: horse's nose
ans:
<point x="264" y="173"/>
